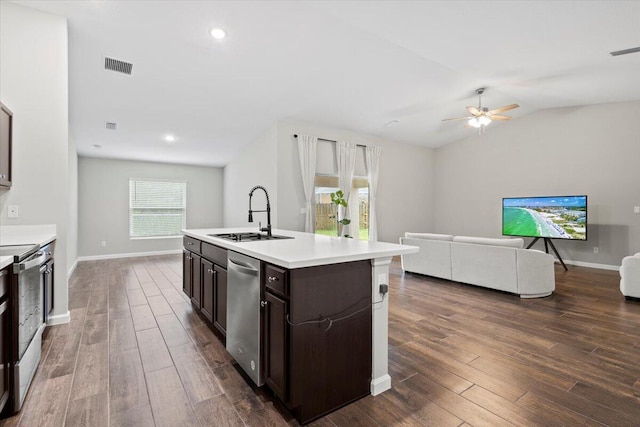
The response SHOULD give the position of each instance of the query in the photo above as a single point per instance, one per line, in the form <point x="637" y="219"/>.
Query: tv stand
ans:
<point x="547" y="242"/>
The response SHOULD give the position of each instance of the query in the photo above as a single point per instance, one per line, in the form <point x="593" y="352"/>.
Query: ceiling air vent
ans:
<point x="110" y="125"/>
<point x="117" y="65"/>
<point x="625" y="51"/>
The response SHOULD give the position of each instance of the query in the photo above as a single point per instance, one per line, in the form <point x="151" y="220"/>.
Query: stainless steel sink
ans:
<point x="248" y="237"/>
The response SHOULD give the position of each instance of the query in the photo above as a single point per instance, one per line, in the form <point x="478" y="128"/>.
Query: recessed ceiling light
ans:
<point x="170" y="138"/>
<point x="218" y="33"/>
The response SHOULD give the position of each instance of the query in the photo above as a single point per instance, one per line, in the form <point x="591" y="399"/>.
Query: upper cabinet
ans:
<point x="6" y="131"/>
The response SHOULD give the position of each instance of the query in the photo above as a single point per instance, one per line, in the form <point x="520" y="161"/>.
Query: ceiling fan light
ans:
<point x="484" y="120"/>
<point x="474" y="122"/>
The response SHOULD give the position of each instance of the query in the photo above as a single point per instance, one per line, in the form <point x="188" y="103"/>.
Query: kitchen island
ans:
<point x="323" y="311"/>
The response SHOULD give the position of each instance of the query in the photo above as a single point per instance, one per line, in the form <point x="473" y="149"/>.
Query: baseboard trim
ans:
<point x="590" y="264"/>
<point x="381" y="384"/>
<point x="129" y="255"/>
<point x="59" y="319"/>
<point x="72" y="269"/>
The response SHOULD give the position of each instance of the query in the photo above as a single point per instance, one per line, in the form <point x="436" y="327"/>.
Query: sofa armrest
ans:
<point x="630" y="276"/>
<point x="433" y="258"/>
<point x="536" y="274"/>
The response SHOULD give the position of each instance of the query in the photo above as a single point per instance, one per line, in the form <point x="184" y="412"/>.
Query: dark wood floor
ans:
<point x="135" y="354"/>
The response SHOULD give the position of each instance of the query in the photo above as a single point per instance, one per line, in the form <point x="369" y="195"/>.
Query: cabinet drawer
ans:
<point x="191" y="244"/>
<point x="215" y="253"/>
<point x="275" y="279"/>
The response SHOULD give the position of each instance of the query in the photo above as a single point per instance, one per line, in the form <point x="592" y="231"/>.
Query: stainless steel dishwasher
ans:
<point x="243" y="313"/>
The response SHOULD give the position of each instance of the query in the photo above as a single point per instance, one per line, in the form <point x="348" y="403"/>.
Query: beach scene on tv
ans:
<point x="553" y="217"/>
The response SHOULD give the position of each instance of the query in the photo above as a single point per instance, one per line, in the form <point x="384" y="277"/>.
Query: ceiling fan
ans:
<point x="481" y="116"/>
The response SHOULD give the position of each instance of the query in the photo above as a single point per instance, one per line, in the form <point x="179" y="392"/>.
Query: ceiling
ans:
<point x="355" y="65"/>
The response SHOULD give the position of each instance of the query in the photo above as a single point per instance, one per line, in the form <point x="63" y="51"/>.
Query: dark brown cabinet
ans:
<point x="187" y="273"/>
<point x="4" y="337"/>
<point x="196" y="282"/>
<point x="191" y="277"/>
<point x="204" y="280"/>
<point x="317" y="336"/>
<point x="6" y="131"/>
<point x="191" y="267"/>
<point x="276" y="345"/>
<point x="208" y="280"/>
<point x="220" y="299"/>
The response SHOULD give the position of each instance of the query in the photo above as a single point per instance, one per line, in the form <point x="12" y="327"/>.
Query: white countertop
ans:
<point x="23" y="235"/>
<point x="304" y="250"/>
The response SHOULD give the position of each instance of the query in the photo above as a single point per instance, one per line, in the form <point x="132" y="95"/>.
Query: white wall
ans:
<point x="405" y="190"/>
<point x="256" y="165"/>
<point x="405" y="185"/>
<point x="34" y="86"/>
<point x="103" y="194"/>
<point x="72" y="235"/>
<point x="593" y="150"/>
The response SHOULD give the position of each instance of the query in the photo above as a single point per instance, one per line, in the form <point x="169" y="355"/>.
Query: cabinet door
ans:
<point x="187" y="277"/>
<point x="196" y="285"/>
<point x="207" y="288"/>
<point x="220" y="299"/>
<point x="4" y="353"/>
<point x="276" y="344"/>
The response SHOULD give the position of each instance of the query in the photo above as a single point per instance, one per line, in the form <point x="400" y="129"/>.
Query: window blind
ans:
<point x="156" y="208"/>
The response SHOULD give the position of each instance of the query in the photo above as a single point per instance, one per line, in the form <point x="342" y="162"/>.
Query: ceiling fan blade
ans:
<point x="473" y="110"/>
<point x="495" y="117"/>
<point x="505" y="108"/>
<point x="457" y="118"/>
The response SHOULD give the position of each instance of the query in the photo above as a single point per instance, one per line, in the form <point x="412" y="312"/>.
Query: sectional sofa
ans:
<point x="630" y="276"/>
<point x="500" y="264"/>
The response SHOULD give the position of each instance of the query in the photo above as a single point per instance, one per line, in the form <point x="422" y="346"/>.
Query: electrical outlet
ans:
<point x="303" y="210"/>
<point x="103" y="243"/>
<point x="636" y="209"/>
<point x="13" y="211"/>
<point x="595" y="249"/>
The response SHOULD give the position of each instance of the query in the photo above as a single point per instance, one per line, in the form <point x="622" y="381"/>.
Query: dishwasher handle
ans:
<point x="242" y="268"/>
<point x="34" y="261"/>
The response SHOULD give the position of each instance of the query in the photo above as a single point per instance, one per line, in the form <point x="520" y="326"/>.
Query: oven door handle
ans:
<point x="42" y="257"/>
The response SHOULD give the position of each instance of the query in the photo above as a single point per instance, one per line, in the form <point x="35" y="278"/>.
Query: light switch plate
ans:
<point x="636" y="209"/>
<point x="13" y="211"/>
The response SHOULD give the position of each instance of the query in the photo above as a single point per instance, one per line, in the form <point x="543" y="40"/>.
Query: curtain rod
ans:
<point x="295" y="135"/>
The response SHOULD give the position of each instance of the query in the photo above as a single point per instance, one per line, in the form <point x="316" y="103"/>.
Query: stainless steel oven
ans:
<point x="26" y="301"/>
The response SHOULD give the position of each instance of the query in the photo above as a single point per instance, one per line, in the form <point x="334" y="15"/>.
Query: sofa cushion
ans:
<point x="510" y="243"/>
<point x="430" y="236"/>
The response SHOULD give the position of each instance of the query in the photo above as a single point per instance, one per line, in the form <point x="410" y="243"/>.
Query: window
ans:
<point x="156" y="208"/>
<point x="326" y="218"/>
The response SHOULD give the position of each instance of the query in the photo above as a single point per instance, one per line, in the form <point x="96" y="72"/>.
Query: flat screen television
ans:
<point x="558" y="217"/>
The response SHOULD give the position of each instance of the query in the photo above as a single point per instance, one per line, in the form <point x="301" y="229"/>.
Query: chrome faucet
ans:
<point x="268" y="210"/>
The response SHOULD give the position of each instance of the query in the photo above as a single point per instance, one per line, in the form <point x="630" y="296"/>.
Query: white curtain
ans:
<point x="346" y="157"/>
<point x="372" y="158"/>
<point x="307" y="154"/>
